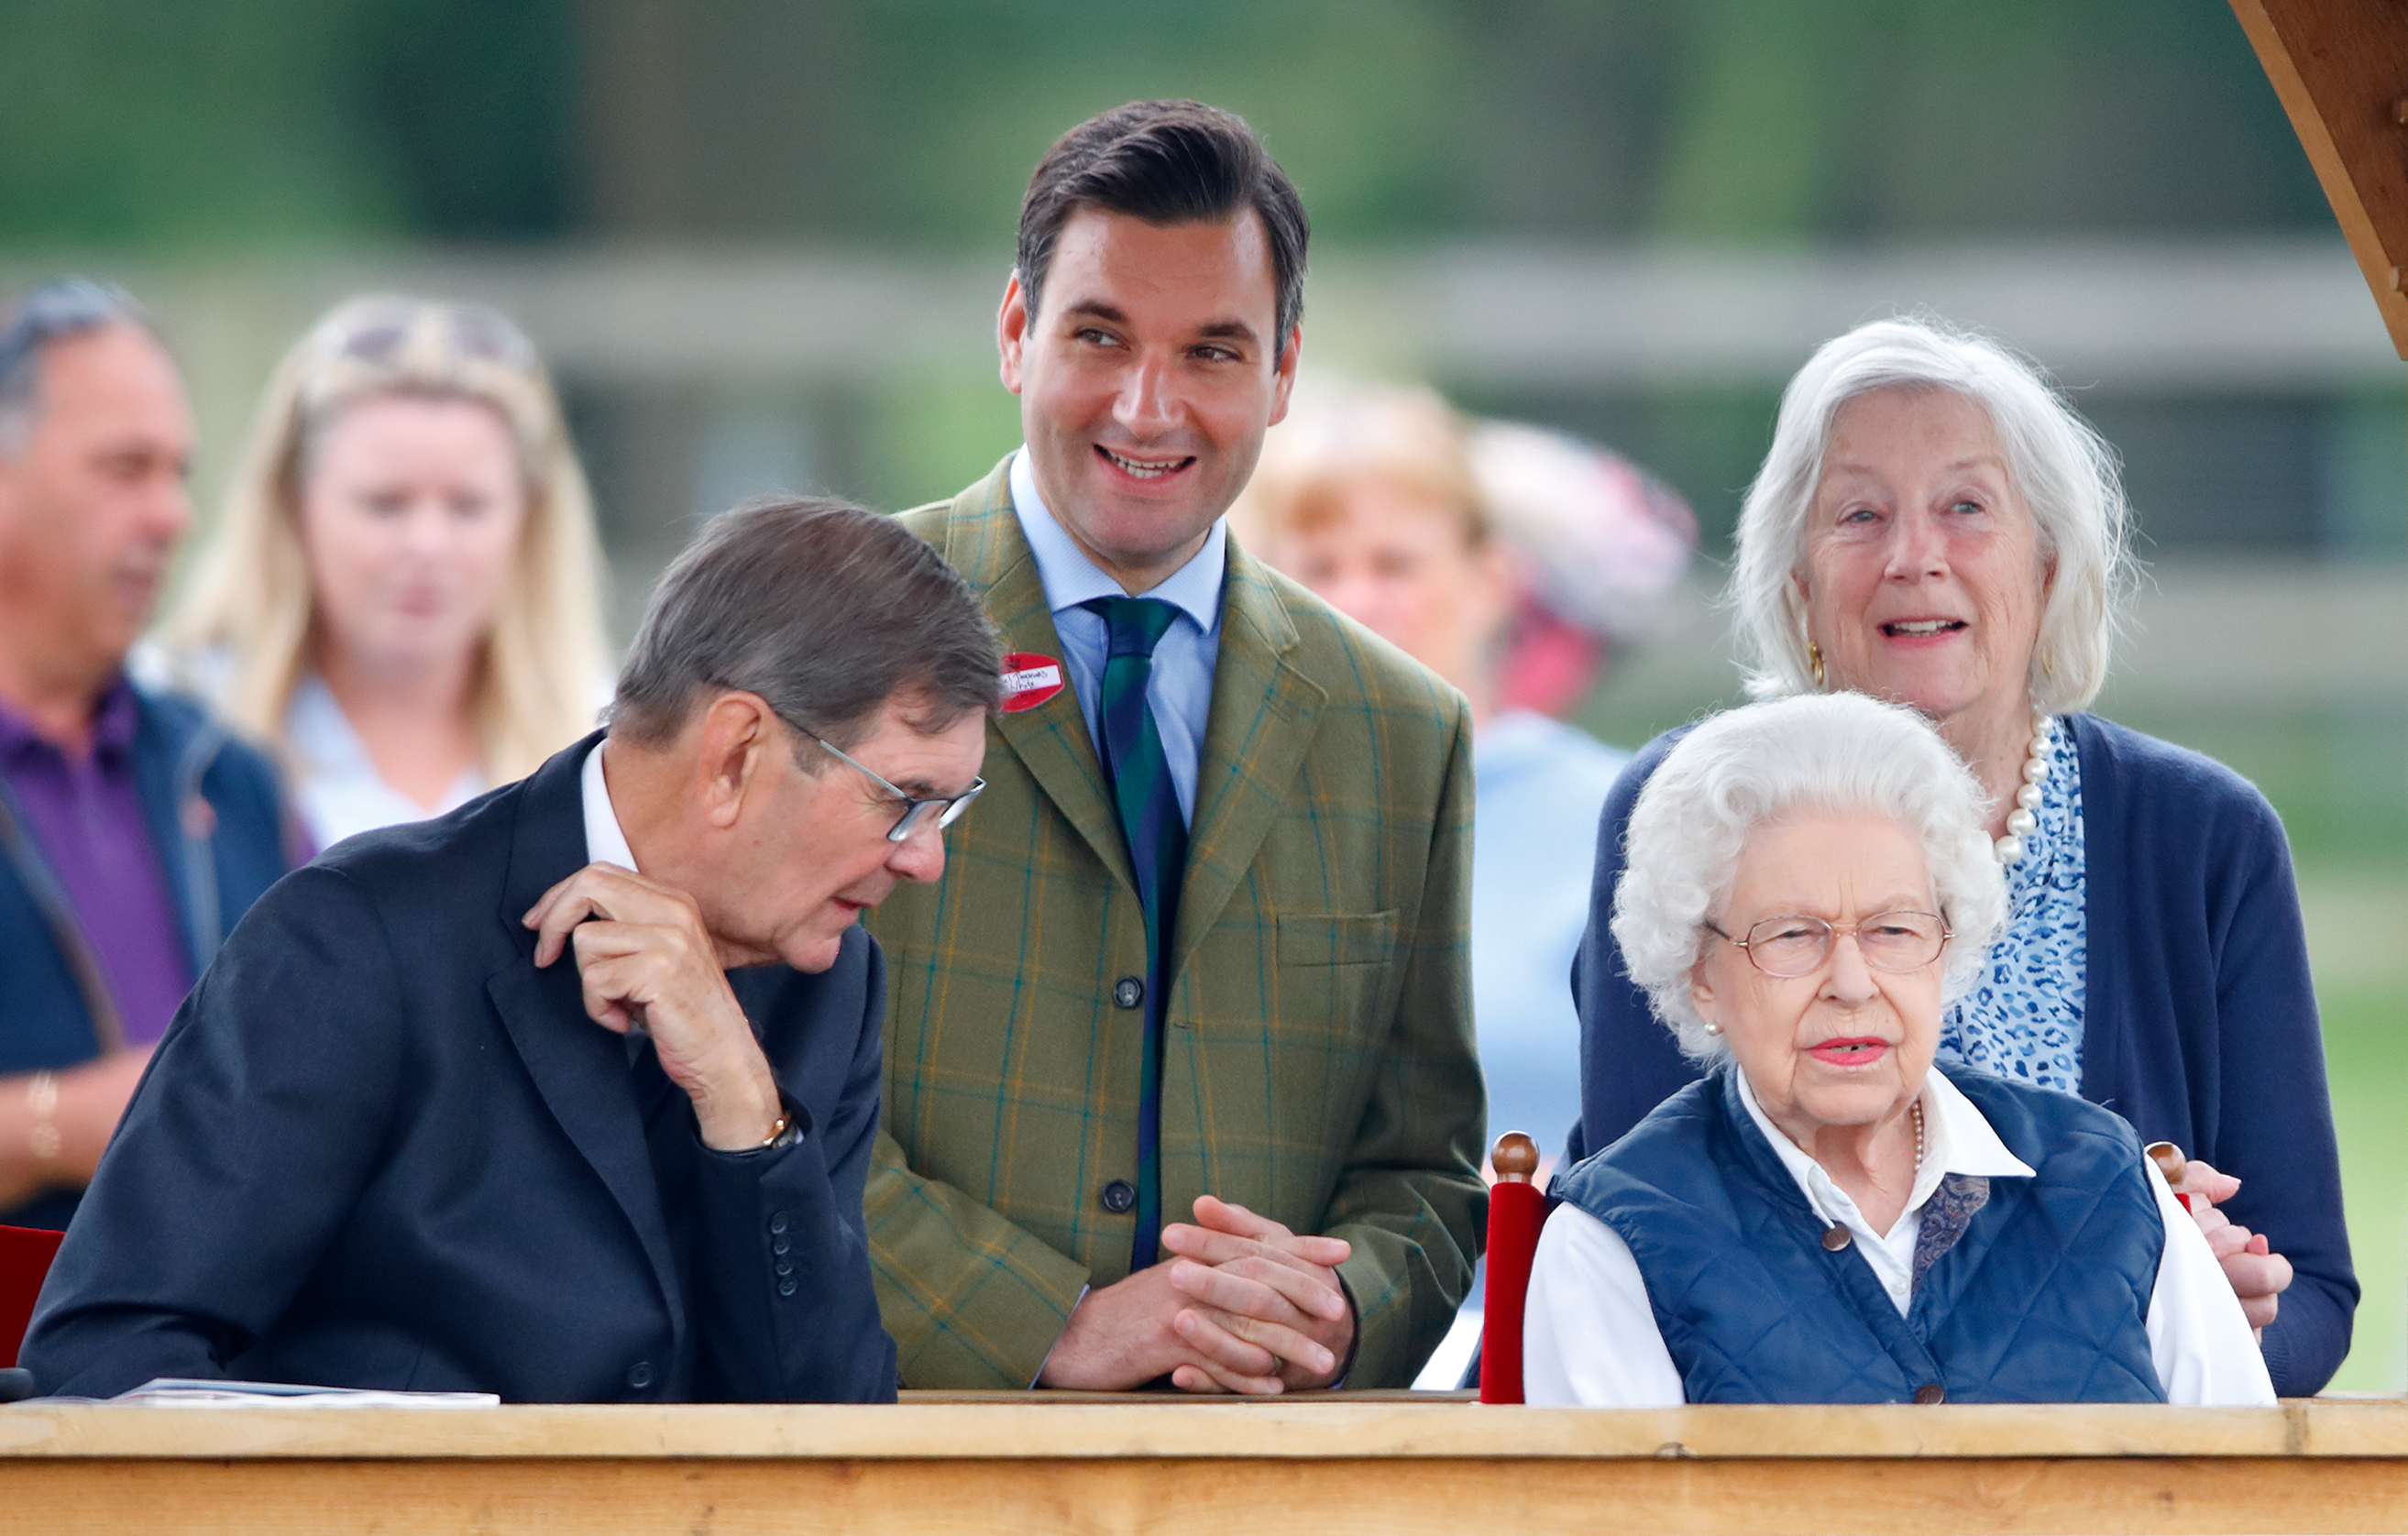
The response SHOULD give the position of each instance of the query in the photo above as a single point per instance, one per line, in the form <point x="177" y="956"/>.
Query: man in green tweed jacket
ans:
<point x="1201" y="952"/>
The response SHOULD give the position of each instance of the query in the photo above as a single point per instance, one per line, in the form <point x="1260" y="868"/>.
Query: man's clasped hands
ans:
<point x="1241" y="1305"/>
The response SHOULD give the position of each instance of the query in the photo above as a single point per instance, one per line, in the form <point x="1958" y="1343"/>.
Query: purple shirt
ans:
<point x="86" y="818"/>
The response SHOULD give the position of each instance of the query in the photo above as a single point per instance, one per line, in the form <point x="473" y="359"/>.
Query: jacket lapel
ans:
<point x="580" y="1069"/>
<point x="984" y="541"/>
<point x="1255" y="736"/>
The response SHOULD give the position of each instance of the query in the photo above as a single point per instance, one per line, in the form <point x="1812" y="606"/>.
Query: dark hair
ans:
<point x="1167" y="163"/>
<point x="57" y="310"/>
<point x="824" y="610"/>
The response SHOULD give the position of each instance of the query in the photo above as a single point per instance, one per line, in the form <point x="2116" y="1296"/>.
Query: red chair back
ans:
<point x="25" y="1254"/>
<point x="1516" y="1211"/>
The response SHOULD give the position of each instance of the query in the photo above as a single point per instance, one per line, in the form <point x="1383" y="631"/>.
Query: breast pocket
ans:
<point x="1335" y="938"/>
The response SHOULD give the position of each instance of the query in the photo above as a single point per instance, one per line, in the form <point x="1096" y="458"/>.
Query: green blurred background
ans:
<point x="762" y="241"/>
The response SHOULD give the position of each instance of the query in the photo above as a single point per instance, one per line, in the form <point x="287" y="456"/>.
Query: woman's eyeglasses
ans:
<point x="1798" y="946"/>
<point x="381" y="333"/>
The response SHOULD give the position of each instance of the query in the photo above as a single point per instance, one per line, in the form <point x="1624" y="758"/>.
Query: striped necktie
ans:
<point x="1139" y="778"/>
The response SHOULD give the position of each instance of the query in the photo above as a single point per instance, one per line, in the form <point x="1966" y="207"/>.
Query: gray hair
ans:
<point x="824" y="610"/>
<point x="2064" y="472"/>
<point x="1840" y="754"/>
<point x="50" y="313"/>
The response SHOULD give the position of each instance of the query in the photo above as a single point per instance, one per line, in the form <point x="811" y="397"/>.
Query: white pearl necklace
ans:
<point x="2025" y="818"/>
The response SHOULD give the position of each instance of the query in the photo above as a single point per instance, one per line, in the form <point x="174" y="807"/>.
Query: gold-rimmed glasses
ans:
<point x="1894" y="941"/>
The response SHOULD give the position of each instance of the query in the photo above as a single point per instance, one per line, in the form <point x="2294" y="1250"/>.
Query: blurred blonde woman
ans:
<point x="402" y="595"/>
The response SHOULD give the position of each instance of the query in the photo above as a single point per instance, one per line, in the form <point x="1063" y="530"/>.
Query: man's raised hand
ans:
<point x="645" y="959"/>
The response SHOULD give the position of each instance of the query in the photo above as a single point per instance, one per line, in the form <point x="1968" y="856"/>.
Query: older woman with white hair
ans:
<point x="1934" y="527"/>
<point x="1828" y="1218"/>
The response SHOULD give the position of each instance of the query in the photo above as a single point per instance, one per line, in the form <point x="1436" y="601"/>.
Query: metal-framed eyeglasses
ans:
<point x="917" y="812"/>
<point x="1895" y="941"/>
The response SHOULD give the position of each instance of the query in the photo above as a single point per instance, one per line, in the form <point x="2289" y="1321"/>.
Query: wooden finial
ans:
<point x="2169" y="1158"/>
<point x="1516" y="1159"/>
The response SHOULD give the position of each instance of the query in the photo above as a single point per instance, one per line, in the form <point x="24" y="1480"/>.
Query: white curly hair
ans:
<point x="1843" y="754"/>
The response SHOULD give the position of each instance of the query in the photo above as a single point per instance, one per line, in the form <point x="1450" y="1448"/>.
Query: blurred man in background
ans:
<point x="133" y="831"/>
<point x="1203" y="952"/>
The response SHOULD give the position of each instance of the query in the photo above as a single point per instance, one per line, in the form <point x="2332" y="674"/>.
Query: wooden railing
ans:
<point x="1395" y="1464"/>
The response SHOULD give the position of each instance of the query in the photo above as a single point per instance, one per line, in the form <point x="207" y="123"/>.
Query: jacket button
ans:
<point x="777" y="1223"/>
<point x="1930" y="1393"/>
<point x="782" y="1269"/>
<point x="639" y="1375"/>
<point x="782" y="1247"/>
<point x="1120" y="1197"/>
<point x="1835" y="1238"/>
<point x="785" y="1287"/>
<point x="1127" y="992"/>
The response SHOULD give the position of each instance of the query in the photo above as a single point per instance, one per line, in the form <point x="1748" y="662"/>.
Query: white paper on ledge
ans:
<point x="189" y="1392"/>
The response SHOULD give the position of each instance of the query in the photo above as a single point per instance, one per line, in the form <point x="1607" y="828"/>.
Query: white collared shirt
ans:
<point x="1180" y="687"/>
<point x="335" y="781"/>
<point x="606" y="841"/>
<point x="1589" y="1333"/>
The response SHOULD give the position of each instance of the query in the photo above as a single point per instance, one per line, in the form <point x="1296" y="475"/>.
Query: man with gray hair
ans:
<point x="132" y="831"/>
<point x="393" y="1141"/>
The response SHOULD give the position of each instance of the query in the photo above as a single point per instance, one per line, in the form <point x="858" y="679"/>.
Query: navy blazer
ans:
<point x="2199" y="1015"/>
<point x="378" y="1147"/>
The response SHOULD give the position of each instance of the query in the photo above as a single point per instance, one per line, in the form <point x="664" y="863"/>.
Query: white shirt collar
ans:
<point x="606" y="841"/>
<point x="1958" y="1139"/>
<point x="1071" y="578"/>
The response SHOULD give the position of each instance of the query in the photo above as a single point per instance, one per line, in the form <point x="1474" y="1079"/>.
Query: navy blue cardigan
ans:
<point x="2199" y="1019"/>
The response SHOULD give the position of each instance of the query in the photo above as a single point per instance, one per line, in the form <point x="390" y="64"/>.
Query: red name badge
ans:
<point x="1029" y="680"/>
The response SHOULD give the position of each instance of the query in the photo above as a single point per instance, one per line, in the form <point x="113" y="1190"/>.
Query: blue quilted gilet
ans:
<point x="2043" y="1298"/>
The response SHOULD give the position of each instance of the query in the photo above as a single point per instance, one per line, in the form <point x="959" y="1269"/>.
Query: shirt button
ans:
<point x="1836" y="1237"/>
<point x="1127" y="992"/>
<point x="639" y="1375"/>
<point x="785" y="1287"/>
<point x="1120" y="1197"/>
<point x="777" y="1223"/>
<point x="1930" y="1393"/>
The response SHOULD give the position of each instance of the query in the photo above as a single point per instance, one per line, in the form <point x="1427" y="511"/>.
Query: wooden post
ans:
<point x="1516" y="1211"/>
<point x="2341" y="68"/>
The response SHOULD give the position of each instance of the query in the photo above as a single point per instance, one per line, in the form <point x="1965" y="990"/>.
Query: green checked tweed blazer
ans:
<point x="1318" y="1063"/>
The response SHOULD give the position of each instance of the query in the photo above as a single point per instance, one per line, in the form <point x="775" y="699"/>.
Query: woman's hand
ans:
<point x="2259" y="1275"/>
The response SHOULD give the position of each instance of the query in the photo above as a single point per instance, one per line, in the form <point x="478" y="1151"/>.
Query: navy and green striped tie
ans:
<point x="1139" y="779"/>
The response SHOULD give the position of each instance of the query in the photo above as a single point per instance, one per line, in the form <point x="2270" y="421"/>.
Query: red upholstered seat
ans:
<point x="25" y="1254"/>
<point x="1516" y="1209"/>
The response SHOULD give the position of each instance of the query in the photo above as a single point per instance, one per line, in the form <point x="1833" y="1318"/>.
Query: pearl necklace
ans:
<point x="2025" y="818"/>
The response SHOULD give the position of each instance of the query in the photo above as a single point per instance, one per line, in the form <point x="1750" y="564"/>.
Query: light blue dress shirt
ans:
<point x="1179" y="689"/>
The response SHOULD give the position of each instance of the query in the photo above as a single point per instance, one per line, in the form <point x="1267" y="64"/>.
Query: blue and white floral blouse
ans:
<point x="2023" y="1019"/>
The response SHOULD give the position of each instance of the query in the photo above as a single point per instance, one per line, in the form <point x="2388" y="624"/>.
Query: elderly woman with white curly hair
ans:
<point x="1934" y="527"/>
<point x="1827" y="1217"/>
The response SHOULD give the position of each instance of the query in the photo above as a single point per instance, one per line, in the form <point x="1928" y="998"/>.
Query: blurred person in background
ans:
<point x="1511" y="561"/>
<point x="132" y="831"/>
<point x="1935" y="526"/>
<point x="403" y="597"/>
